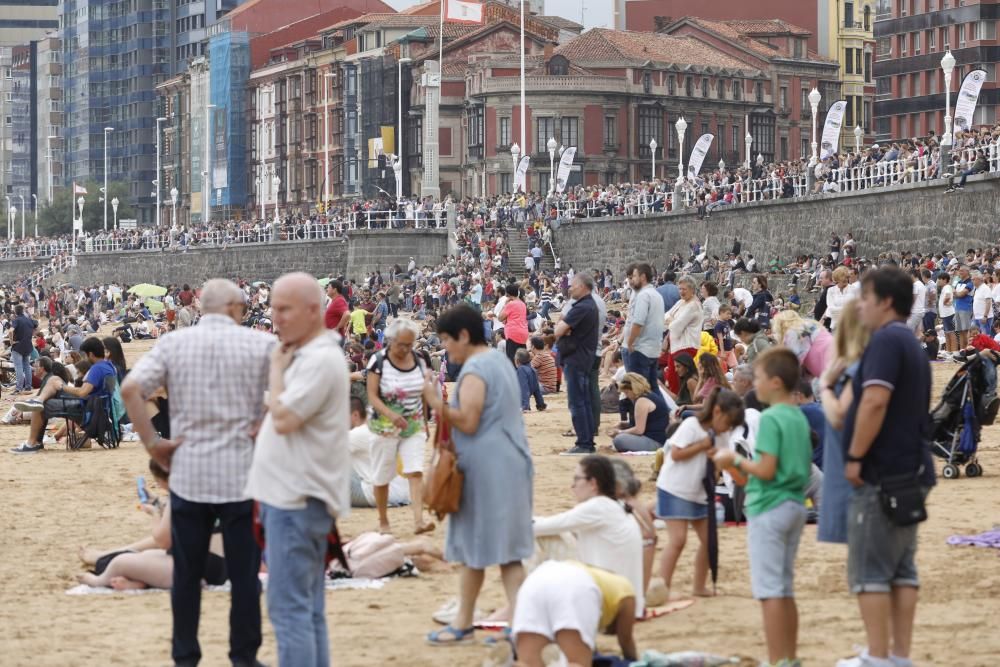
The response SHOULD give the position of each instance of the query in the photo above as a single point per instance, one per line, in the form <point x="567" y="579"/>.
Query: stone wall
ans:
<point x="363" y="252"/>
<point x="918" y="217"/>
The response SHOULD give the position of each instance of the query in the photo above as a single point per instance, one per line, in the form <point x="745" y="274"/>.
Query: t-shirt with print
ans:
<point x="401" y="391"/>
<point x="895" y="360"/>
<point x="784" y="434"/>
<point x="724" y="328"/>
<point x="964" y="302"/>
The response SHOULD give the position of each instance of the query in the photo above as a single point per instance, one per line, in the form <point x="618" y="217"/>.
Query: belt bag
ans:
<point x="902" y="499"/>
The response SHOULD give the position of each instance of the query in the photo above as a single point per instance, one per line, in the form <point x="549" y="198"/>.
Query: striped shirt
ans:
<point x="545" y="368"/>
<point x="215" y="374"/>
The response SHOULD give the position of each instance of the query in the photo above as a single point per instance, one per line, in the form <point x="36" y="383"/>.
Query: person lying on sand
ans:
<point x="148" y="562"/>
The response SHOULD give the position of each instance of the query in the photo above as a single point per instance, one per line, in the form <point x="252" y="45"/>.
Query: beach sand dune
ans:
<point x="56" y="501"/>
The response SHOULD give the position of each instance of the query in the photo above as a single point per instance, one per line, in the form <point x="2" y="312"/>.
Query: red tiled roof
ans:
<point x="767" y="27"/>
<point x="743" y="32"/>
<point x="627" y="47"/>
<point x="402" y="21"/>
<point x="364" y="19"/>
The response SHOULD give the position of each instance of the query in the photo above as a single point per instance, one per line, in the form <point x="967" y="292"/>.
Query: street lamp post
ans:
<point x="50" y="138"/>
<point x="277" y="184"/>
<point x="114" y="207"/>
<point x="814" y="98"/>
<point x="681" y="126"/>
<point x="947" y="139"/>
<point x="722" y="166"/>
<point x="552" y="146"/>
<point x="747" y="142"/>
<point x="652" y="157"/>
<point x="9" y="206"/>
<point x="23" y="207"/>
<point x="12" y="220"/>
<point x="158" y="171"/>
<point x="173" y="202"/>
<point x="398" y="165"/>
<point x="34" y="208"/>
<point x="107" y="131"/>
<point x="515" y="154"/>
<point x="858" y="133"/>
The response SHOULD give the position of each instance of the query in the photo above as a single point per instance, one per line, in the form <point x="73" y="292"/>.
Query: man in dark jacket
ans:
<point x="819" y="310"/>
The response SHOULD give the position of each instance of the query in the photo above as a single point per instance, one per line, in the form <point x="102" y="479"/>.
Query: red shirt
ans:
<point x="186" y="297"/>
<point x="984" y="342"/>
<point x="335" y="312"/>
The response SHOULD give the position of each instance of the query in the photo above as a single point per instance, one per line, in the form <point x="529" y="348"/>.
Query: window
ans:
<point x="858" y="68"/>
<point x="883" y="47"/>
<point x="848" y="61"/>
<point x="689" y="86"/>
<point x="545" y="128"/>
<point x="961" y="35"/>
<point x="868" y="18"/>
<point x="903" y="87"/>
<point x="506" y="182"/>
<point x="610" y="131"/>
<point x="931" y="41"/>
<point x="916" y="43"/>
<point x="543" y="180"/>
<point x="784" y="149"/>
<point x="883" y="126"/>
<point x="849" y="111"/>
<point x="804" y="148"/>
<point x="736" y="139"/>
<point x="650" y="126"/>
<point x="704" y="127"/>
<point x="569" y="127"/>
<point x="868" y="66"/>
<point x="759" y="91"/>
<point x="503" y="136"/>
<point x="720" y="89"/>
<point x="916" y="125"/>
<point x="647" y="82"/>
<point x="903" y="50"/>
<point x="849" y="14"/>
<point x="797" y="50"/>
<point x="738" y="89"/>
<point x="671" y="85"/>
<point x="915" y="84"/>
<point x="945" y="38"/>
<point x="704" y="86"/>
<point x="804" y="105"/>
<point x="783" y="97"/>
<point x="987" y="29"/>
<point x="932" y="82"/>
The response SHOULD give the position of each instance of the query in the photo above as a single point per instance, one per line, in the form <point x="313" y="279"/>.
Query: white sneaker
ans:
<point x="900" y="662"/>
<point x="865" y="660"/>
<point x="29" y="405"/>
<point x="48" y="440"/>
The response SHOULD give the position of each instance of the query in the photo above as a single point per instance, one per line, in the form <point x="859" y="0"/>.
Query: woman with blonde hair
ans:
<point x="838" y="294"/>
<point x="651" y="417"/>
<point x="836" y="395"/>
<point x="807" y="338"/>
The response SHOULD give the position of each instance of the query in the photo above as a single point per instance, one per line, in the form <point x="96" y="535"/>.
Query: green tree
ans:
<point x="57" y="219"/>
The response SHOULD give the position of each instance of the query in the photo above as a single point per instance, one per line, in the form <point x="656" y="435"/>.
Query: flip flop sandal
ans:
<point x="569" y="434"/>
<point x="458" y="637"/>
<point x="426" y="528"/>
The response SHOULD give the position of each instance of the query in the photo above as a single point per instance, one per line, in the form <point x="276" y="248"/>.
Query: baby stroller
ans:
<point x="968" y="403"/>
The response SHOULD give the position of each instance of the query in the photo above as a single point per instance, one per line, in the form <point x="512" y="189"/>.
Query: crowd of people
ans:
<point x="751" y="402"/>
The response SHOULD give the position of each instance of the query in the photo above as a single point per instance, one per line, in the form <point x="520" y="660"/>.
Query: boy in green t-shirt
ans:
<point x="775" y="503"/>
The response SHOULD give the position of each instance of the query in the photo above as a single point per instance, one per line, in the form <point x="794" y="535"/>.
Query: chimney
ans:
<point x="549" y="48"/>
<point x="661" y="22"/>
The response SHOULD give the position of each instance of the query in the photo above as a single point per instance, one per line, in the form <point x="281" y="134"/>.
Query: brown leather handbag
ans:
<point x="443" y="481"/>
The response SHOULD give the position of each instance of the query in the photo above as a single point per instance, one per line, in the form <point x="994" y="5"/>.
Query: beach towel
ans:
<point x="683" y="659"/>
<point x="663" y="610"/>
<point x="990" y="539"/>
<point x="331" y="585"/>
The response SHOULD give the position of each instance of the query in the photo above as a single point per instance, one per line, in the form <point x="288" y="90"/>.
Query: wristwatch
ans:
<point x="854" y="459"/>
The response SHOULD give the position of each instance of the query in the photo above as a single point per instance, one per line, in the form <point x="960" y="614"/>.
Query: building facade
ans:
<point x="840" y="30"/>
<point x="24" y="20"/>
<point x="48" y="118"/>
<point x="911" y="37"/>
<point x="15" y="172"/>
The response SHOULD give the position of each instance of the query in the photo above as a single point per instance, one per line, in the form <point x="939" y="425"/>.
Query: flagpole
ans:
<point x="524" y="145"/>
<point x="441" y="40"/>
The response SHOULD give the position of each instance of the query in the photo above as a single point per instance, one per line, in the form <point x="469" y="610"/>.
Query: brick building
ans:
<point x="911" y="38"/>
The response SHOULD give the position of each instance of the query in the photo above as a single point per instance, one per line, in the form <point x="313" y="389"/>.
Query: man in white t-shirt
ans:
<point x="743" y="297"/>
<point x="982" y="303"/>
<point x="360" y="443"/>
<point x="946" y="311"/>
<point x="919" y="307"/>
<point x="301" y="470"/>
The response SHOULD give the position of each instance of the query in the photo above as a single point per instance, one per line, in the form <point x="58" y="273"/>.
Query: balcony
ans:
<point x="857" y="26"/>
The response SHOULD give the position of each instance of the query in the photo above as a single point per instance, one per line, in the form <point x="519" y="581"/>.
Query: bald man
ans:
<point x="215" y="375"/>
<point x="301" y="471"/>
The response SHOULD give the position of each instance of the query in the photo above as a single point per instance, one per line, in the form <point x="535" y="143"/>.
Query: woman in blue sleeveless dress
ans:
<point x="493" y="523"/>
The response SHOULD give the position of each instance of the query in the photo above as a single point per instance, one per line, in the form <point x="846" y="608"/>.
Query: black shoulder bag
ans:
<point x="902" y="498"/>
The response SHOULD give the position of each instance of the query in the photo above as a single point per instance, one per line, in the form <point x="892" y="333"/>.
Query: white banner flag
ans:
<point x="698" y="154"/>
<point x="565" y="165"/>
<point x="521" y="175"/>
<point x="462" y="11"/>
<point x="831" y="130"/>
<point x="968" y="97"/>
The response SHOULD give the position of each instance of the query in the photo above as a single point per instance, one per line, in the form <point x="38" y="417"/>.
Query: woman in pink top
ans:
<point x="515" y="322"/>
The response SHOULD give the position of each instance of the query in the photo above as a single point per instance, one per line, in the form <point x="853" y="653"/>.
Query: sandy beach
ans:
<point x="56" y="501"/>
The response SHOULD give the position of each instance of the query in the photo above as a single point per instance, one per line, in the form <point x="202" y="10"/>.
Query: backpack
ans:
<point x="609" y="399"/>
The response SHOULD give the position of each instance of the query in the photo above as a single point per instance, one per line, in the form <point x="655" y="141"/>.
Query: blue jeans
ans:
<point x="580" y="405"/>
<point x="637" y="362"/>
<point x="295" y="554"/>
<point x="22" y="370"/>
<point x="191" y="526"/>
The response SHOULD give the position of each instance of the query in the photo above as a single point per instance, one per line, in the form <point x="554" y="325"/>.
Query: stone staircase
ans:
<point x="518" y="245"/>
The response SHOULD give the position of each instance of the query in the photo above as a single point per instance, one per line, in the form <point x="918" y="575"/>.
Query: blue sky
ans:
<point x="596" y="13"/>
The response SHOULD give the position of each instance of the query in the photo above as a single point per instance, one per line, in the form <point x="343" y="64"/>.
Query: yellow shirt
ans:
<point x="358" y="321"/>
<point x="614" y="588"/>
